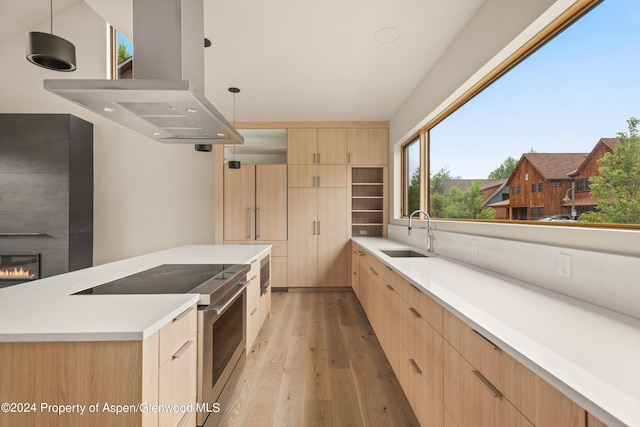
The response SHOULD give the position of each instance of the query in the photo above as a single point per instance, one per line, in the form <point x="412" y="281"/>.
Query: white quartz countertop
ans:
<point x="589" y="353"/>
<point x="45" y="310"/>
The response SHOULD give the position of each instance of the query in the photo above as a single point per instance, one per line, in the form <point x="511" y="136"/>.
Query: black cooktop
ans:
<point x="164" y="279"/>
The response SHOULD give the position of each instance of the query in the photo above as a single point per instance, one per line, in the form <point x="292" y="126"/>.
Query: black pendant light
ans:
<point x="49" y="51"/>
<point x="234" y="164"/>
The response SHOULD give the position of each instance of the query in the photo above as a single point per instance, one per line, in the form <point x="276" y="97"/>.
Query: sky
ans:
<point x="581" y="86"/>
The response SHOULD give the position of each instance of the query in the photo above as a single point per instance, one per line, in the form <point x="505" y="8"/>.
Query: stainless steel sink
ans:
<point x="403" y="253"/>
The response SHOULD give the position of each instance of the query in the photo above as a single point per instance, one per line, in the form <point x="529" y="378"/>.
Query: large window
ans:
<point x="548" y="122"/>
<point x="121" y="55"/>
<point x="411" y="178"/>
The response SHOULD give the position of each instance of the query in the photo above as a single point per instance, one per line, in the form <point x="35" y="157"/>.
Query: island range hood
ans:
<point x="165" y="99"/>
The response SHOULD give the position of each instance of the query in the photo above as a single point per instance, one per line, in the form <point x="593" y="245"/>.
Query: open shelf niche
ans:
<point x="367" y="201"/>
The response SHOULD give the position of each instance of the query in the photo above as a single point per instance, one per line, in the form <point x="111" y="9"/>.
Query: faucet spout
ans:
<point x="429" y="233"/>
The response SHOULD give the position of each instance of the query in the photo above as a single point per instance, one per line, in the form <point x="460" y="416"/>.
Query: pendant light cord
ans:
<point x="51" y="14"/>
<point x="234" y="123"/>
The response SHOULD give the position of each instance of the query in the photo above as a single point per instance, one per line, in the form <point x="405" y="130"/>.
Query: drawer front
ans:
<point x="177" y="385"/>
<point x="538" y="400"/>
<point x="423" y="344"/>
<point x="430" y="310"/>
<point x="426" y="404"/>
<point x="471" y="399"/>
<point x="173" y="335"/>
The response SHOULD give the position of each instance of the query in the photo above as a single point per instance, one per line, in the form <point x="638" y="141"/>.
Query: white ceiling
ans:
<point x="300" y="59"/>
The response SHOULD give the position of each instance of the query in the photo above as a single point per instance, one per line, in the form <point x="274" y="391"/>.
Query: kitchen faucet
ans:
<point x="429" y="233"/>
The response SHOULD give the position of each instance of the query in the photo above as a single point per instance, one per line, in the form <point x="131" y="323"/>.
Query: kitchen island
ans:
<point x="590" y="354"/>
<point x="102" y="359"/>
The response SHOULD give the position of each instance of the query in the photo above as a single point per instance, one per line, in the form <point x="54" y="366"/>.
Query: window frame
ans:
<point x="568" y="17"/>
<point x="420" y="138"/>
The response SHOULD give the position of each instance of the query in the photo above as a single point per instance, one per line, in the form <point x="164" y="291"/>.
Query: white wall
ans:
<point x="147" y="196"/>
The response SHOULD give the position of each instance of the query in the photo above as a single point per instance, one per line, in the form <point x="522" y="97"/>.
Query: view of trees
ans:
<point x="617" y="190"/>
<point x="123" y="53"/>
<point x="504" y="170"/>
<point x="456" y="203"/>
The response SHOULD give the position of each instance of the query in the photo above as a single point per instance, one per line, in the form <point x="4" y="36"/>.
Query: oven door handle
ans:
<point x="219" y="309"/>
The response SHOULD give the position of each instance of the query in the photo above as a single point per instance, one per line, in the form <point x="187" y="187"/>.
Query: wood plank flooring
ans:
<point x="316" y="362"/>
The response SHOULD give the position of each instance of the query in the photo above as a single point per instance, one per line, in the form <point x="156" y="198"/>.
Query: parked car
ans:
<point x="557" y="218"/>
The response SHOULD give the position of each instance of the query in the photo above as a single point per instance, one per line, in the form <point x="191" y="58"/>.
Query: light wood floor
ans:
<point x="317" y="362"/>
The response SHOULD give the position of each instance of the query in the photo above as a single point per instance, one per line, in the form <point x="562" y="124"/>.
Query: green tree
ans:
<point x="414" y="191"/>
<point x="617" y="190"/>
<point x="505" y="169"/>
<point x="467" y="204"/>
<point x="123" y="53"/>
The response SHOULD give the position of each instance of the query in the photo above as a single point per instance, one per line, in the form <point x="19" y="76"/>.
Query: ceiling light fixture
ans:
<point x="49" y="51"/>
<point x="234" y="164"/>
<point x="387" y="35"/>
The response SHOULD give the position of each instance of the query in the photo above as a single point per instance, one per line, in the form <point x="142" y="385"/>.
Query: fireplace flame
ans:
<point x="15" y="273"/>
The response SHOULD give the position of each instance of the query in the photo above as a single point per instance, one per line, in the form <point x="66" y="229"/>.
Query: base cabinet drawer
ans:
<point x="426" y="405"/>
<point x="177" y="387"/>
<point x="539" y="401"/>
<point x="472" y="400"/>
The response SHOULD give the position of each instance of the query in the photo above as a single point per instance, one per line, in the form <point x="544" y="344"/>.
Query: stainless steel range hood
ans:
<point x="165" y="100"/>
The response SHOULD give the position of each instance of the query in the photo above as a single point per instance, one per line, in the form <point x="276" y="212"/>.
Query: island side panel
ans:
<point x="72" y="373"/>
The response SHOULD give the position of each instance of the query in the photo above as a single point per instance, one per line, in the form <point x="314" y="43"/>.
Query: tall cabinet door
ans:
<point x="303" y="240"/>
<point x="332" y="237"/>
<point x="302" y="146"/>
<point x="239" y="200"/>
<point x="271" y="202"/>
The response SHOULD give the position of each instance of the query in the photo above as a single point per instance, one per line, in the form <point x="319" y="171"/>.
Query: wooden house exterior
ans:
<point x="539" y="182"/>
<point x="589" y="168"/>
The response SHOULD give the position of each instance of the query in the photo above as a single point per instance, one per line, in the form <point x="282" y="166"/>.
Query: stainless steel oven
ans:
<point x="221" y="350"/>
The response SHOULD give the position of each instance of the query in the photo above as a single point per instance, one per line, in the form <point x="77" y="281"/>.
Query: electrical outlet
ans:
<point x="474" y="247"/>
<point x="564" y="266"/>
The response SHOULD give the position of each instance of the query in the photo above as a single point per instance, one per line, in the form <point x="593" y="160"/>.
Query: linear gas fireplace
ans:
<point x="16" y="269"/>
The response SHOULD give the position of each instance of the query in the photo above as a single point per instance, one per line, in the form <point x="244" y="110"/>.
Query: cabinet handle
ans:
<point x="249" y="222"/>
<point x="314" y="228"/>
<point x="373" y="271"/>
<point x="184" y="419"/>
<point x="318" y="227"/>
<point x="314" y="158"/>
<point x="348" y="157"/>
<point x="181" y="315"/>
<point x="415" y="366"/>
<point x="390" y="287"/>
<point x="485" y="382"/>
<point x="257" y="221"/>
<point x="360" y="253"/>
<point x="415" y="312"/>
<point x="182" y="350"/>
<point x="484" y="339"/>
<point x="254" y="277"/>
<point x="254" y="311"/>
<point x="318" y="181"/>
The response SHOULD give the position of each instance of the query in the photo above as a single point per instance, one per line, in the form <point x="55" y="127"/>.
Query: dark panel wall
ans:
<point x="46" y="186"/>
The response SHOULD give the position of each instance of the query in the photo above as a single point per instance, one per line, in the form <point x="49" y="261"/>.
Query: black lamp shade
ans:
<point x="234" y="164"/>
<point x="50" y="51"/>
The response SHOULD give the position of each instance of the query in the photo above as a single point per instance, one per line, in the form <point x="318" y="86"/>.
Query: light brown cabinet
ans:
<point x="451" y="374"/>
<point x="318" y="238"/>
<point x="317" y="220"/>
<point x="253" y="319"/>
<point x="368" y="146"/>
<point x="317" y="146"/>
<point x="160" y="370"/>
<point x="255" y="203"/>
<point x="540" y="403"/>
<point x="355" y="255"/>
